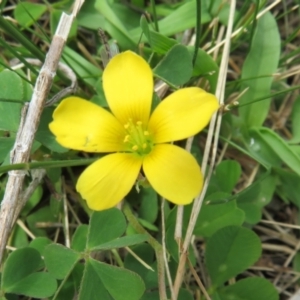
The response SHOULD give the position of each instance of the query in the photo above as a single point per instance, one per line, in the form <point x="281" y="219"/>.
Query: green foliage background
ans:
<point x="255" y="181"/>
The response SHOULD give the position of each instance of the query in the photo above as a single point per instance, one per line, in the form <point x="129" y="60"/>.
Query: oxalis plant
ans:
<point x="158" y="159"/>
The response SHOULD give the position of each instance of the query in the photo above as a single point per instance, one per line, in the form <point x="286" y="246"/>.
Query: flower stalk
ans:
<point x="155" y="245"/>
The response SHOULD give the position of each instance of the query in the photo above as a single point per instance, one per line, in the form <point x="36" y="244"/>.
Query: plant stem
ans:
<point x="198" y="30"/>
<point x="154" y="15"/>
<point x="155" y="245"/>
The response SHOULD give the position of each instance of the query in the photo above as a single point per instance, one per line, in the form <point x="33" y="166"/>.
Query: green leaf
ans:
<point x="154" y="295"/>
<point x="182" y="18"/>
<point x="44" y="214"/>
<point x="175" y="71"/>
<point x="121" y="284"/>
<point x="248" y="203"/>
<point x="146" y="253"/>
<point x="230" y="251"/>
<point x="288" y="187"/>
<point x="113" y="25"/>
<point x="26" y="13"/>
<point x="44" y="135"/>
<point x="206" y="67"/>
<point x="79" y="238"/>
<point x="6" y="144"/>
<point x="251" y="288"/>
<point x="36" y="285"/>
<point x="19" y="238"/>
<point x="89" y="17"/>
<point x="296" y="262"/>
<point x="185" y="295"/>
<point x="258" y="69"/>
<point x="145" y="28"/>
<point x="228" y="173"/>
<point x="23" y="280"/>
<point x="160" y="43"/>
<point x="282" y="148"/>
<point x="105" y="226"/>
<point x="91" y="285"/>
<point x="22" y="39"/>
<point x="60" y="260"/>
<point x="47" y="164"/>
<point x="11" y="88"/>
<point x="40" y="244"/>
<point x="213" y="217"/>
<point x="295" y="122"/>
<point x="83" y="68"/>
<point x="257" y="195"/>
<point x="28" y="258"/>
<point x="149" y="204"/>
<point x="220" y="10"/>
<point x="261" y="151"/>
<point x="148" y="225"/>
<point x="33" y="200"/>
<point x="122" y="242"/>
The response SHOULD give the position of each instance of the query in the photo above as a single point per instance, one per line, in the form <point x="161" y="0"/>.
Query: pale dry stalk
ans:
<point x="29" y="124"/>
<point x="211" y="147"/>
<point x="236" y="32"/>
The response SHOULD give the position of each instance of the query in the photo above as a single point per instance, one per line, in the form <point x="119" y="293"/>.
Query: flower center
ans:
<point x="137" y="138"/>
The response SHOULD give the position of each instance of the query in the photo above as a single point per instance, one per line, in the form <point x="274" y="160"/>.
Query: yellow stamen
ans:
<point x="126" y="139"/>
<point x="137" y="138"/>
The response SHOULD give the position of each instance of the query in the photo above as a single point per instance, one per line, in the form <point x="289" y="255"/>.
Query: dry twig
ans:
<point x="29" y="124"/>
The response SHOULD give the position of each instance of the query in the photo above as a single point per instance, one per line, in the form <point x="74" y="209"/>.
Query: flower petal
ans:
<point x="108" y="180"/>
<point x="128" y="87"/>
<point x="182" y="114"/>
<point x="174" y="173"/>
<point x="82" y="125"/>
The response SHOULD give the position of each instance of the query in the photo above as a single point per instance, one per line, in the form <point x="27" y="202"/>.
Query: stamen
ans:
<point x="137" y="138"/>
<point x="126" y="139"/>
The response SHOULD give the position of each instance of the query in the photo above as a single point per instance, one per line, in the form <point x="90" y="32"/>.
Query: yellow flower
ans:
<point x="139" y="140"/>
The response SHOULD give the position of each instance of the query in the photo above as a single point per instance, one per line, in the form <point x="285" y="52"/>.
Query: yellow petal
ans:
<point x="182" y="114"/>
<point x="174" y="173"/>
<point x="128" y="87"/>
<point x="108" y="180"/>
<point x="81" y="125"/>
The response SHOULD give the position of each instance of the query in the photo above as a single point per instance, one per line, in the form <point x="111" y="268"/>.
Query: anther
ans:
<point x="139" y="123"/>
<point x="135" y="147"/>
<point x="126" y="139"/>
<point x="146" y="133"/>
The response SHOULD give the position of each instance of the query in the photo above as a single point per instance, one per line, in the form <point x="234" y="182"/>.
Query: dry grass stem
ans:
<point x="216" y="121"/>
<point x="236" y="32"/>
<point x="66" y="216"/>
<point x="29" y="124"/>
<point x="164" y="248"/>
<point x="25" y="229"/>
<point x="198" y="280"/>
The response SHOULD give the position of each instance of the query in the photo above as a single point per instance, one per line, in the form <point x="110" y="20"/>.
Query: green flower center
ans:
<point x="137" y="138"/>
